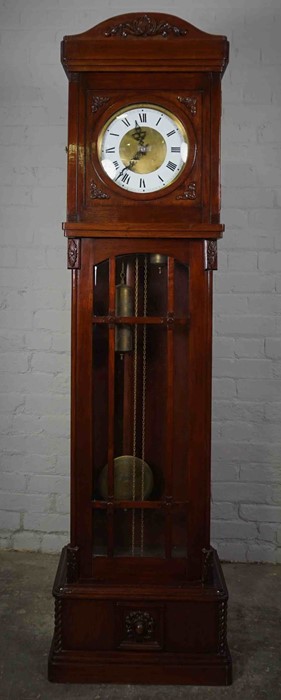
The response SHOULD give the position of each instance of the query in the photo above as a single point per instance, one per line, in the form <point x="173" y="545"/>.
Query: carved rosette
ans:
<point x="72" y="564"/>
<point x="96" y="192"/>
<point x="190" y="103"/>
<point x="58" y="626"/>
<point x="73" y="253"/>
<point x="98" y="102"/>
<point x="211" y="255"/>
<point x="144" y="26"/>
<point x="222" y="626"/>
<point x="189" y="193"/>
<point x="139" y="626"/>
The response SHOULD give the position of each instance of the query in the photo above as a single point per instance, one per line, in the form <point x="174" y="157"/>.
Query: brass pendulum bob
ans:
<point x="123" y="307"/>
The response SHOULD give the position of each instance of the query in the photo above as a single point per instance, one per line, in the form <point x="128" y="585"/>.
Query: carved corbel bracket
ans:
<point x="207" y="566"/>
<point x="72" y="564"/>
<point x="74" y="254"/>
<point x="211" y="255"/>
<point x="73" y="77"/>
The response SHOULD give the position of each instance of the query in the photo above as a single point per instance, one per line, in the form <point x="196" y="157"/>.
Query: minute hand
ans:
<point x="131" y="164"/>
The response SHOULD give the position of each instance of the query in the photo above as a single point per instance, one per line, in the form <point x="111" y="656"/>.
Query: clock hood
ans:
<point x="120" y="43"/>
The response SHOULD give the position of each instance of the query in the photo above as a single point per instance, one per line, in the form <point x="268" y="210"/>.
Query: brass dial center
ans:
<point x="145" y="154"/>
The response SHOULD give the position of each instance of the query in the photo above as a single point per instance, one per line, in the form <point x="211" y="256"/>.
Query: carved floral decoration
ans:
<point x="72" y="253"/>
<point x="145" y="26"/>
<point x="190" y="103"/>
<point x="139" y="626"/>
<point x="98" y="102"/>
<point x="97" y="193"/>
<point x="212" y="255"/>
<point x="189" y="193"/>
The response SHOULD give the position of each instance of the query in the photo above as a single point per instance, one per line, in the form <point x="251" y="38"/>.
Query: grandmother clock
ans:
<point x="139" y="593"/>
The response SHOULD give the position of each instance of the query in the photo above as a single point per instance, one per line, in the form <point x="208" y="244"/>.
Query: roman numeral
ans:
<point x="126" y="122"/>
<point x="161" y="178"/>
<point x="126" y="178"/>
<point x="175" y="149"/>
<point x="115" y="162"/>
<point x="142" y="182"/>
<point x="171" y="133"/>
<point x="142" y="117"/>
<point x="110" y="150"/>
<point x="112" y="134"/>
<point x="171" y="166"/>
<point x="159" y="120"/>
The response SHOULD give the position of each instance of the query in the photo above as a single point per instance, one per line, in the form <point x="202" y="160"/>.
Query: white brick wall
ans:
<point x="35" y="291"/>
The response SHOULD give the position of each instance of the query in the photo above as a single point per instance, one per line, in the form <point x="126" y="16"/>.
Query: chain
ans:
<point x="122" y="273"/>
<point x="143" y="397"/>
<point x="135" y="400"/>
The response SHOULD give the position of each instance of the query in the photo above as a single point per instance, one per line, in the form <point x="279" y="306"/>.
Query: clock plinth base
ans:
<point x="150" y="635"/>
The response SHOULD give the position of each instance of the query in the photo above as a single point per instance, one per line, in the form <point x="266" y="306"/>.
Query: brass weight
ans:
<point x="123" y="307"/>
<point x="158" y="259"/>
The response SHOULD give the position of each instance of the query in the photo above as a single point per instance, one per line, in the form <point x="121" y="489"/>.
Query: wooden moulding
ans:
<point x="149" y="230"/>
<point x="134" y="43"/>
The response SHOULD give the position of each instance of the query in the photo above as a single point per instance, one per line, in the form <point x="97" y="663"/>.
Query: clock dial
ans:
<point x="143" y="148"/>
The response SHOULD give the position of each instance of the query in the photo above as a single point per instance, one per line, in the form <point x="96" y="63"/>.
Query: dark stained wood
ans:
<point x="152" y="230"/>
<point x="169" y="406"/>
<point x="74" y="360"/>
<point x="136" y="504"/>
<point x="148" y="603"/>
<point x="111" y="374"/>
<point x="188" y="49"/>
<point x="73" y="94"/>
<point x="193" y="651"/>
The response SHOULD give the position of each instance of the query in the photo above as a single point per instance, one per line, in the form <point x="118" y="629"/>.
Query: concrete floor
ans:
<point x="27" y="625"/>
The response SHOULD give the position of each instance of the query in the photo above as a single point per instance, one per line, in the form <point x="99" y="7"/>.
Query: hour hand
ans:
<point x="139" y="134"/>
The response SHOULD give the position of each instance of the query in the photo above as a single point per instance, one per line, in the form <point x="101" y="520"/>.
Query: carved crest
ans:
<point x="144" y="26"/>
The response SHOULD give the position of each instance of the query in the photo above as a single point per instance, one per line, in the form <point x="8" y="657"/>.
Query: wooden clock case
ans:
<point x="143" y="619"/>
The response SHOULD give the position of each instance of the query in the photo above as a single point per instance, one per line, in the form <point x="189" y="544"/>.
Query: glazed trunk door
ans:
<point x="141" y="399"/>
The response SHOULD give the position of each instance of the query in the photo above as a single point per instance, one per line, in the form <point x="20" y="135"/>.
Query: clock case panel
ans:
<point x="152" y="137"/>
<point x="97" y="198"/>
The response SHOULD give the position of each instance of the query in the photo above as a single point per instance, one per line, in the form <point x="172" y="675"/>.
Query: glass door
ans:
<point x="140" y="422"/>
